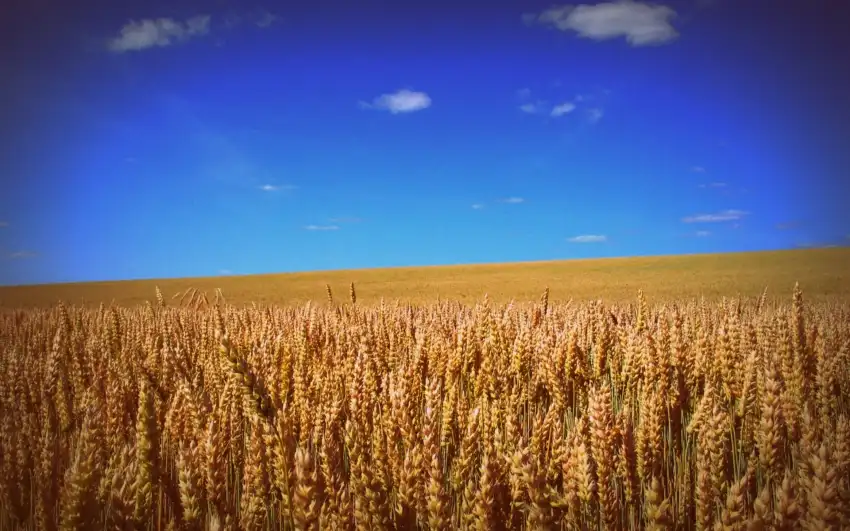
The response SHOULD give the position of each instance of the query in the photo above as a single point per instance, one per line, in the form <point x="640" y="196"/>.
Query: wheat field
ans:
<point x="824" y="272"/>
<point x="730" y="414"/>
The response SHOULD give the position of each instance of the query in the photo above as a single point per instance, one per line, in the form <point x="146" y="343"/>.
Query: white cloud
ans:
<point x="260" y="18"/>
<point x="265" y="19"/>
<point x="514" y="200"/>
<point x="225" y="272"/>
<point x="321" y="227"/>
<point x="402" y="101"/>
<point x="588" y="238"/>
<point x="477" y="206"/>
<point x="726" y="215"/>
<point x="713" y="185"/>
<point x="530" y="108"/>
<point x="149" y="33"/>
<point x="276" y="187"/>
<point x="702" y="233"/>
<point x="594" y="115"/>
<point x="641" y="24"/>
<point x="697" y="169"/>
<point x="562" y="109"/>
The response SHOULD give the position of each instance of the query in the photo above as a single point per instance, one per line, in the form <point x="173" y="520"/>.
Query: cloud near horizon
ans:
<point x="514" y="200"/>
<point x="276" y="187"/>
<point x="321" y="227"/>
<point x="402" y="101"/>
<point x="641" y="24"/>
<point x="726" y="215"/>
<point x="588" y="238"/>
<point x="160" y="32"/>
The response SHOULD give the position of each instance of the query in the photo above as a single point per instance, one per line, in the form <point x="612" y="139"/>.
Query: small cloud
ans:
<point x="697" y="169"/>
<point x="642" y="24"/>
<point x="276" y="188"/>
<point x="513" y="200"/>
<point x="403" y="101"/>
<point x="20" y="255"/>
<point x="788" y="225"/>
<point x="532" y="108"/>
<point x="161" y="32"/>
<point x="594" y="115"/>
<point x="321" y="227"/>
<point x="726" y="215"/>
<point x="265" y="19"/>
<point x="713" y="185"/>
<point x="562" y="109"/>
<point x="225" y="272"/>
<point x="588" y="238"/>
<point x="477" y="206"/>
<point x="260" y="18"/>
<point x="702" y="233"/>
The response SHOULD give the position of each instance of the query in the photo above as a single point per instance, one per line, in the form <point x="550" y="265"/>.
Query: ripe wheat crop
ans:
<point x="728" y="415"/>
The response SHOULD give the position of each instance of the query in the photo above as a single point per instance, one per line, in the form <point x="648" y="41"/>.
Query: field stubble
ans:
<point x="697" y="415"/>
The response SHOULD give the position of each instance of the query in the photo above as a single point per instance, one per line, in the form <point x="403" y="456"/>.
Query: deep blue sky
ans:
<point x="167" y="139"/>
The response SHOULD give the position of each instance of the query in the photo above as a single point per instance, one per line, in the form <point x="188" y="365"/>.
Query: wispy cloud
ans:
<point x="20" y="255"/>
<point x="261" y="18"/>
<point x="477" y="206"/>
<point x="588" y="238"/>
<point x="594" y="115"/>
<point x="726" y="215"/>
<point x="321" y="227"/>
<point x="641" y="24"/>
<point x="789" y="225"/>
<point x="264" y="19"/>
<point x="533" y="108"/>
<point x="713" y="185"/>
<point x="697" y="169"/>
<point x="702" y="233"/>
<point x="402" y="101"/>
<point x="161" y="32"/>
<point x="562" y="109"/>
<point x="513" y="200"/>
<point x="276" y="187"/>
<point x="225" y="272"/>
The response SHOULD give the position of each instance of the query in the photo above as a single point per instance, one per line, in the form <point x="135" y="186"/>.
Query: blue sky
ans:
<point x="172" y="139"/>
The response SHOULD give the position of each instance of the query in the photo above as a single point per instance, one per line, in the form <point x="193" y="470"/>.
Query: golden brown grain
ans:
<point x="688" y="414"/>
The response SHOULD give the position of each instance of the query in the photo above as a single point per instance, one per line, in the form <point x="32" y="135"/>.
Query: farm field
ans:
<point x="546" y="415"/>
<point x="686" y="399"/>
<point x="823" y="274"/>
